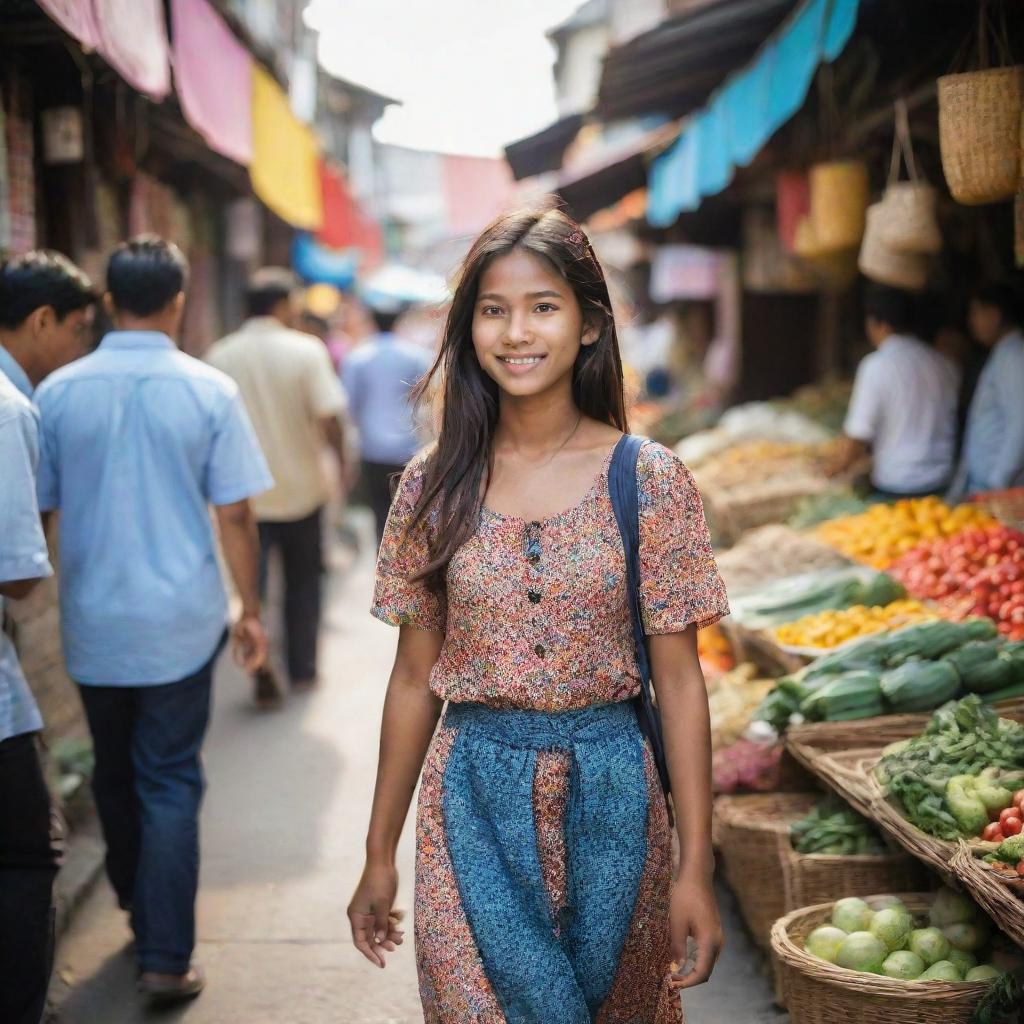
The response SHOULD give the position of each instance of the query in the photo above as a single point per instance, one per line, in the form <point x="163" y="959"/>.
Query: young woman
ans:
<point x="544" y="875"/>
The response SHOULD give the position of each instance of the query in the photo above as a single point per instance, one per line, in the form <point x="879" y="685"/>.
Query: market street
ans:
<point x="283" y="821"/>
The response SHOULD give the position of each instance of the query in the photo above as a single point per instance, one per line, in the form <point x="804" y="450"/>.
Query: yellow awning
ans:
<point x="284" y="156"/>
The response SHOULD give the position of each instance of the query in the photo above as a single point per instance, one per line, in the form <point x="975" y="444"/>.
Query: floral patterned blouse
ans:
<point x="535" y="614"/>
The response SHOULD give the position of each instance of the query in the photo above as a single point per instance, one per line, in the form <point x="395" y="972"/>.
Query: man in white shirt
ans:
<point x="295" y="402"/>
<point x="904" y="404"/>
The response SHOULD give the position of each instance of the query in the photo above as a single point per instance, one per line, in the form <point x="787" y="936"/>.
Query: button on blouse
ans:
<point x="570" y="644"/>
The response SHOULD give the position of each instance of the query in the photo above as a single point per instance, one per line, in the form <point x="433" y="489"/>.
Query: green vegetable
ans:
<point x="1011" y="850"/>
<point x="951" y="907"/>
<point x="969" y="937"/>
<point x="985" y="972"/>
<point x="779" y="706"/>
<point x="852" y="914"/>
<point x="929" y="944"/>
<point x="965" y="805"/>
<point x="942" y="970"/>
<point x="920" y="685"/>
<point x="892" y="928"/>
<point x="877" y="903"/>
<point x="824" y="942"/>
<point x="994" y="796"/>
<point x="903" y="965"/>
<point x="962" y="960"/>
<point x="833" y="827"/>
<point x="1002" y="998"/>
<point x="861" y="951"/>
<point x="1011" y="692"/>
<point x="974" y="663"/>
<point x="852" y="694"/>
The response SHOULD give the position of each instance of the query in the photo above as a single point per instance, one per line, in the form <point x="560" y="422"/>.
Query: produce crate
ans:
<point x="748" y="828"/>
<point x="1002" y="898"/>
<point x="730" y="515"/>
<point x="864" y="732"/>
<point x="817" y="992"/>
<point x="811" y="878"/>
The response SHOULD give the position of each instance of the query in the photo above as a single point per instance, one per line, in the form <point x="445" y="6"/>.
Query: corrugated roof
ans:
<point x="543" y="151"/>
<point x="672" y="68"/>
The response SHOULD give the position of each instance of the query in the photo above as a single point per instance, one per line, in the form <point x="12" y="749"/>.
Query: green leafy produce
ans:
<point x="963" y="960"/>
<point x="942" y="970"/>
<point x="1002" y="998"/>
<point x="965" y="737"/>
<point x="965" y="805"/>
<point x="951" y="907"/>
<point x="969" y="937"/>
<point x="824" y="942"/>
<point x="980" y="667"/>
<point x="892" y="928"/>
<point x="861" y="951"/>
<point x="903" y="965"/>
<point x="822" y="507"/>
<point x="1011" y="850"/>
<point x="877" y="903"/>
<point x="832" y="827"/>
<point x="929" y="944"/>
<point x="992" y="794"/>
<point x="984" y="972"/>
<point x="920" y="685"/>
<point x="852" y="914"/>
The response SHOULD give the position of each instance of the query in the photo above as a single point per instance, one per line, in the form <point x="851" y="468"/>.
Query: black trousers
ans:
<point x="380" y="479"/>
<point x="300" y="542"/>
<point x="31" y="847"/>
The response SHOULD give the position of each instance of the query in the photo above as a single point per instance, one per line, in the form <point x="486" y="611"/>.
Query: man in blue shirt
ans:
<point x="45" y="313"/>
<point x="379" y="376"/>
<point x="138" y="440"/>
<point x="993" y="452"/>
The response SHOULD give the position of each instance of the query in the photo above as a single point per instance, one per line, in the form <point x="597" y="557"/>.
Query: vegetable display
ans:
<point x="960" y="773"/>
<point x="833" y="827"/>
<point x="886" y="939"/>
<point x="822" y="507"/>
<point x="770" y="553"/>
<point x="794" y="597"/>
<point x="732" y="700"/>
<point x="834" y="627"/>
<point x="879" y="536"/>
<point x="977" y="572"/>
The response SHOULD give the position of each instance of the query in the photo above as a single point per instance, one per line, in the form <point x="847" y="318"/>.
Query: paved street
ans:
<point x="283" y="825"/>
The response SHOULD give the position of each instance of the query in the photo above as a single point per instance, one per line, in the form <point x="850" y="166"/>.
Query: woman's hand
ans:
<point x="372" y="915"/>
<point x="693" y="914"/>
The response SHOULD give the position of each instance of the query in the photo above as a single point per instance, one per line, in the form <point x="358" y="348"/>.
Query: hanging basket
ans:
<point x="885" y="265"/>
<point x="979" y="133"/>
<point x="839" y="199"/>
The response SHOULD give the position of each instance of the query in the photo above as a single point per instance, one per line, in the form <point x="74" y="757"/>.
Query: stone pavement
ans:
<point x="282" y="836"/>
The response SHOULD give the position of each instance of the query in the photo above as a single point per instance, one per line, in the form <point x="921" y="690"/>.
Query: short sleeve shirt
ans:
<point x="288" y="385"/>
<point x="23" y="554"/>
<point x="138" y="440"/>
<point x="535" y="615"/>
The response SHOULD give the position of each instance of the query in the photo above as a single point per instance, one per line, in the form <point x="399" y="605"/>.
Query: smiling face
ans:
<point x="527" y="325"/>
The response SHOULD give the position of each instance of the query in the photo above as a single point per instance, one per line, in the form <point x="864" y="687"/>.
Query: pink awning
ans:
<point x="132" y="37"/>
<point x="75" y="17"/>
<point x="213" y="74"/>
<point x="476" y="190"/>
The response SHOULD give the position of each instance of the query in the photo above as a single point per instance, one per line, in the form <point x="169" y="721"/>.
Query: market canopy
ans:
<point x="748" y="109"/>
<point x="672" y="68"/>
<point x="285" y="161"/>
<point x="543" y="150"/>
<point x="213" y="74"/>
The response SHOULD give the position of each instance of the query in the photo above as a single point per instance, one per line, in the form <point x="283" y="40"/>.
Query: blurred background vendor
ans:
<point x="903" y="410"/>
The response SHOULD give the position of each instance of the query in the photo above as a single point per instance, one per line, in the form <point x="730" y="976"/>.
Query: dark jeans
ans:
<point x="301" y="544"/>
<point x="149" y="784"/>
<point x="381" y="478"/>
<point x="880" y="495"/>
<point x="31" y="846"/>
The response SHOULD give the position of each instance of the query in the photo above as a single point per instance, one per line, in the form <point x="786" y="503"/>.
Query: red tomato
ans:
<point x="1009" y="812"/>
<point x="1011" y="826"/>
<point x="1018" y="798"/>
<point x="993" y="833"/>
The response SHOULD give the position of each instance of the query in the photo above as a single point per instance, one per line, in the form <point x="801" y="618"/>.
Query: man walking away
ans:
<point x="904" y="404"/>
<point x="993" y="455"/>
<point x="138" y="439"/>
<point x="295" y="402"/>
<point x="45" y="317"/>
<point x="378" y="377"/>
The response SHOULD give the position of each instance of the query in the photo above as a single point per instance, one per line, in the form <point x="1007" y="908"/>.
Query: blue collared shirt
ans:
<point x="138" y="439"/>
<point x="15" y="374"/>
<point x="994" y="444"/>
<point x="378" y="377"/>
<point x="23" y="553"/>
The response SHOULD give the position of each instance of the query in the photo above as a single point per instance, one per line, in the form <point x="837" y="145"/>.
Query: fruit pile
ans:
<point x="977" y="572"/>
<point x="879" y="536"/>
<point x="828" y="629"/>
<point x="714" y="651"/>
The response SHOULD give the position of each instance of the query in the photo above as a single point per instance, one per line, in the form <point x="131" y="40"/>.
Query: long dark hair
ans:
<point x="456" y="470"/>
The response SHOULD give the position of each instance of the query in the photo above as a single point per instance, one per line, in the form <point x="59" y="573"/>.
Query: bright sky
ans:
<point x="472" y="75"/>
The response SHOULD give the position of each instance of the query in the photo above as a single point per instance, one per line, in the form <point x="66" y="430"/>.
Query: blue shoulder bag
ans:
<point x="624" y="491"/>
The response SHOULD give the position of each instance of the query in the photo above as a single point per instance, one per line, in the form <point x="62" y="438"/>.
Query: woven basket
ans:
<point x="1002" y="901"/>
<point x="811" y="878"/>
<point x="817" y="992"/>
<point x="979" y="133"/>
<point x="881" y="263"/>
<point x="748" y="830"/>
<point x="909" y="224"/>
<point x="839" y="199"/>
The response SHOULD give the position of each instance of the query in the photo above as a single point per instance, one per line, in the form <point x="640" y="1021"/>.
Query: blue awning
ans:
<point x="747" y="110"/>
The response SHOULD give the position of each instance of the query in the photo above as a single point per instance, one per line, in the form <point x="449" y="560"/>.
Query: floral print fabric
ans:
<point x="535" y="614"/>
